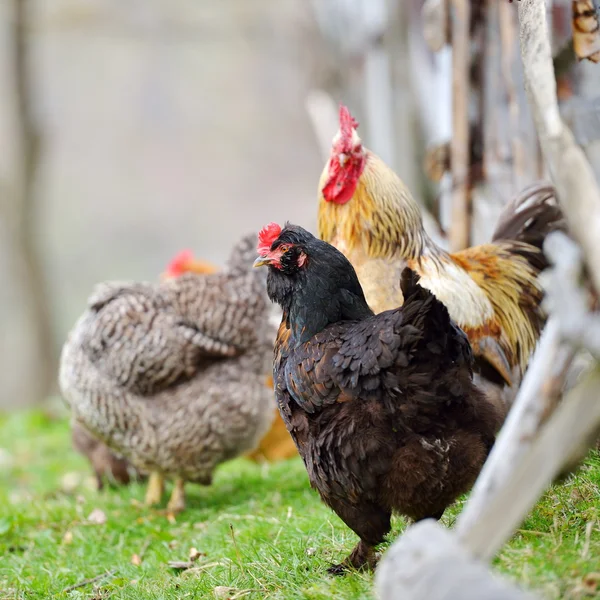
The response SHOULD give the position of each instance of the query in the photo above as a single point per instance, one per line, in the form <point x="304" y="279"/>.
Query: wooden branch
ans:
<point x="577" y="418"/>
<point x="532" y="406"/>
<point x="565" y="297"/>
<point x="436" y="24"/>
<point x="508" y="41"/>
<point x="428" y="563"/>
<point x="377" y="82"/>
<point x="459" y="148"/>
<point x="21" y="209"/>
<point x="578" y="191"/>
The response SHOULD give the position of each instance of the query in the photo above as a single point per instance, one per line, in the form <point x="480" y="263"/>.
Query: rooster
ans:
<point x="382" y="407"/>
<point x="491" y="291"/>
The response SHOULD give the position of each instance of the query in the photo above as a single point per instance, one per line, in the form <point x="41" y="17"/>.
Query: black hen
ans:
<point x="381" y="407"/>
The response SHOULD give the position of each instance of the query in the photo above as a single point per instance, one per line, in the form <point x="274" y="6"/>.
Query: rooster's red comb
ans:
<point x="347" y="124"/>
<point x="179" y="262"/>
<point x="266" y="236"/>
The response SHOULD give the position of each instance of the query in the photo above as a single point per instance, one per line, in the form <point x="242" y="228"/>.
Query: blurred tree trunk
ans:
<point x="21" y="216"/>
<point x="493" y="151"/>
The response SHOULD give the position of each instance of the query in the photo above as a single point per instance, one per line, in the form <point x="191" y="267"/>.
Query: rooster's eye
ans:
<point x="284" y="248"/>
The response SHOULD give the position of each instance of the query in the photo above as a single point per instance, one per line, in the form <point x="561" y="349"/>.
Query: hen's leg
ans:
<point x="177" y="500"/>
<point x="363" y="555"/>
<point x="371" y="523"/>
<point x="437" y="516"/>
<point x="155" y="489"/>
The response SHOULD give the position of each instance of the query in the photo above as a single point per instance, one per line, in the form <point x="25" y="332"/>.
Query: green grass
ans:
<point x="262" y="531"/>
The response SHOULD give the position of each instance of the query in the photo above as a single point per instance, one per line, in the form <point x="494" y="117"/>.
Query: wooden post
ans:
<point x="21" y="214"/>
<point x="459" y="147"/>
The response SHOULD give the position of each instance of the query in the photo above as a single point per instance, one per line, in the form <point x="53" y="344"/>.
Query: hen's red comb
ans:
<point x="266" y="236"/>
<point x="347" y="124"/>
<point x="179" y="262"/>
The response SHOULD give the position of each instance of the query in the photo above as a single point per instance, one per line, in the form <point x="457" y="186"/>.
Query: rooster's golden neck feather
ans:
<point x="392" y="226"/>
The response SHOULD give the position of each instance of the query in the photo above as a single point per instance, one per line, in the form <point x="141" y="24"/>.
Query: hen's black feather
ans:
<point x="382" y="407"/>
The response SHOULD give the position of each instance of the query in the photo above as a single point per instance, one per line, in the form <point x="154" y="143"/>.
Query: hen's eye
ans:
<point x="284" y="247"/>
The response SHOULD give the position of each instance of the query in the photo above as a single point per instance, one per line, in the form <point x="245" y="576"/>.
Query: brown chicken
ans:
<point x="172" y="376"/>
<point x="491" y="291"/>
<point x="277" y="443"/>
<point x="382" y="407"/>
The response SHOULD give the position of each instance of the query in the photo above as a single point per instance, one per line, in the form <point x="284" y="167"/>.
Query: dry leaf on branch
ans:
<point x="586" y="30"/>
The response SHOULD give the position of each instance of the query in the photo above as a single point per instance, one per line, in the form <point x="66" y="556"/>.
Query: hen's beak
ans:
<point x="261" y="261"/>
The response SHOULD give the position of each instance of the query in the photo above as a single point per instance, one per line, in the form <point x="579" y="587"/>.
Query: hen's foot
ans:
<point x="177" y="500"/>
<point x="362" y="557"/>
<point x="155" y="489"/>
<point x="338" y="570"/>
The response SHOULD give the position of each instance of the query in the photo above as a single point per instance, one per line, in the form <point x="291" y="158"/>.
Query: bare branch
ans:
<point x="577" y="418"/>
<point x="566" y="299"/>
<point x="436" y="24"/>
<point x="533" y="403"/>
<point x="459" y="147"/>
<point x="578" y="191"/>
<point x="428" y="563"/>
<point x="21" y="209"/>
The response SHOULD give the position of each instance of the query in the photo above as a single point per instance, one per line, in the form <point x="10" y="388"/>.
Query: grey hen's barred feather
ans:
<point x="157" y="371"/>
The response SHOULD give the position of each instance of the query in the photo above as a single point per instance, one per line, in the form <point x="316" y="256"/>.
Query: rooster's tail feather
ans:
<point x="530" y="216"/>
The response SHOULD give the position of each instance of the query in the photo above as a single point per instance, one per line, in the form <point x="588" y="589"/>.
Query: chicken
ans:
<point x="382" y="407"/>
<point x="185" y="262"/>
<point x="105" y="463"/>
<point x="172" y="376"/>
<point x="277" y="444"/>
<point x="491" y="291"/>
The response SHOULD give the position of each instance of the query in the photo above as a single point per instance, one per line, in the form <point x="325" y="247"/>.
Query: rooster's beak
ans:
<point x="343" y="159"/>
<point x="261" y="261"/>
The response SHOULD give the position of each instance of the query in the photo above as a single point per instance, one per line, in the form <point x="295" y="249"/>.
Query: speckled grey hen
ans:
<point x="172" y="376"/>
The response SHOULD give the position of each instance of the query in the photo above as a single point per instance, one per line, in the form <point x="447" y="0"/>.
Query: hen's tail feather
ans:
<point x="420" y="304"/>
<point x="530" y="216"/>
<point x="415" y="295"/>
